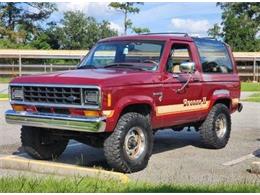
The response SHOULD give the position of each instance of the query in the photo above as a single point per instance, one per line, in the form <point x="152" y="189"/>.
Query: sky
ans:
<point x="194" y="18"/>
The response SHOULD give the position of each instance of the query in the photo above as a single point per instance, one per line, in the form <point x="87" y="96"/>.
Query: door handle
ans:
<point x="159" y="95"/>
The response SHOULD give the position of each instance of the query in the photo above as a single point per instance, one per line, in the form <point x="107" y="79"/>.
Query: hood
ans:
<point x="100" y="77"/>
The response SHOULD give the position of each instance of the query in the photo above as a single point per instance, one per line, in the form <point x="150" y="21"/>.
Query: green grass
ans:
<point x="3" y="95"/>
<point x="253" y="98"/>
<point x="249" y="86"/>
<point x="84" y="184"/>
<point x="5" y="79"/>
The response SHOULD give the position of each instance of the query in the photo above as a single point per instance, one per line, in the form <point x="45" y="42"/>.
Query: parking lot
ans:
<point x="178" y="157"/>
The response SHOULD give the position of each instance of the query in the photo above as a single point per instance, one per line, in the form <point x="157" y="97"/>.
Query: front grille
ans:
<point x="52" y="95"/>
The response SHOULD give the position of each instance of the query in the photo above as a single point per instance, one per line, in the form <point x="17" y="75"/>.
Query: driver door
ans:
<point x="181" y="105"/>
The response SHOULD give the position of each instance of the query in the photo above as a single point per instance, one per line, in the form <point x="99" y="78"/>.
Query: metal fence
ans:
<point x="248" y="62"/>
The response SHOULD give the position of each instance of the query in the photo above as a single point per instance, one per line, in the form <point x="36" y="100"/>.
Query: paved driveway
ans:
<point x="178" y="157"/>
<point x="3" y="88"/>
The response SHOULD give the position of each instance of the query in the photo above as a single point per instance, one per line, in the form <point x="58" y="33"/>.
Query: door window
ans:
<point x="179" y="53"/>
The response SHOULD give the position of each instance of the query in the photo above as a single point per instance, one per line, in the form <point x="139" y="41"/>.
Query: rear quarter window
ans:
<point x="214" y="56"/>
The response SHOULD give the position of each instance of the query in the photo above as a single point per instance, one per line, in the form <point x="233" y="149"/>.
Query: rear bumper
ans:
<point x="55" y="121"/>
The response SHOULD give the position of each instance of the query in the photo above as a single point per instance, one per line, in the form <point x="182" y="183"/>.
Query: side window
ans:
<point x="179" y="53"/>
<point x="214" y="56"/>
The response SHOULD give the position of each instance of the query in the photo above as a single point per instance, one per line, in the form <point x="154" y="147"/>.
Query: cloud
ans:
<point x="94" y="9"/>
<point x="190" y="25"/>
<point x="117" y="27"/>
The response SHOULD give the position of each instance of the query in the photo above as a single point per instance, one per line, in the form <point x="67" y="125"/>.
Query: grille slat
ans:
<point x="57" y="95"/>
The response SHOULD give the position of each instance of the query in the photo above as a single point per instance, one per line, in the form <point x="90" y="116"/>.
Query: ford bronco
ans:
<point x="123" y="91"/>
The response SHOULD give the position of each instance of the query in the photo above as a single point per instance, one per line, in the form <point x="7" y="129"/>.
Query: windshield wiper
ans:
<point x="87" y="67"/>
<point x="120" y="65"/>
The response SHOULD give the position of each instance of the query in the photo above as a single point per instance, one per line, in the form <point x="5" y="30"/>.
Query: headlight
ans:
<point x="91" y="97"/>
<point x="17" y="93"/>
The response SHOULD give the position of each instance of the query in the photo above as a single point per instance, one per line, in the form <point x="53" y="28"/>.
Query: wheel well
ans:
<point x="144" y="109"/>
<point x="225" y="101"/>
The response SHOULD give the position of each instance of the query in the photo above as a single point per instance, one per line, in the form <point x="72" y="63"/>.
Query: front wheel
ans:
<point x="129" y="147"/>
<point x="215" y="130"/>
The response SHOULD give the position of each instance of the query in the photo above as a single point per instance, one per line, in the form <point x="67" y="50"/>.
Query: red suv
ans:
<point x="123" y="91"/>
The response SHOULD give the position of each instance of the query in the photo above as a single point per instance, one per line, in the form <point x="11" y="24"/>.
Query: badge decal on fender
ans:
<point x="194" y="102"/>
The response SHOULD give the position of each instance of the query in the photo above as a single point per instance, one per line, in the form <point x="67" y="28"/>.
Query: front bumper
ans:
<point x="55" y="121"/>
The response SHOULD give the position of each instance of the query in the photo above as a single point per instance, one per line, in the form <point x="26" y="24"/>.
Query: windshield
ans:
<point x="143" y="55"/>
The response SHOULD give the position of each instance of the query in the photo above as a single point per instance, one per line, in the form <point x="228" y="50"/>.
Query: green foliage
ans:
<point x="20" y="21"/>
<point x="78" y="31"/>
<point x="8" y="44"/>
<point x="23" y="26"/>
<point x="241" y="24"/>
<point x="215" y="32"/>
<point x="5" y="79"/>
<point x="248" y="86"/>
<point x="126" y="8"/>
<point x="3" y="95"/>
<point x="140" y="30"/>
<point x="86" y="184"/>
<point x="41" y="42"/>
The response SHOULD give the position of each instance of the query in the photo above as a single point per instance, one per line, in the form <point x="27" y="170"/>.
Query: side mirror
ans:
<point x="187" y="67"/>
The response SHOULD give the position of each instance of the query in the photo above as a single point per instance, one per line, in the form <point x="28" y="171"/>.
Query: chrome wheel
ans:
<point x="221" y="125"/>
<point x="134" y="143"/>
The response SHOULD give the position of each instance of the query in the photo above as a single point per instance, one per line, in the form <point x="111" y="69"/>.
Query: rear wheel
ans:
<point x="40" y="144"/>
<point x="129" y="147"/>
<point x="215" y="130"/>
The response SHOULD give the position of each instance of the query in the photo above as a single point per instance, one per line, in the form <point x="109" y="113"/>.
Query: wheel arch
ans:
<point x="226" y="101"/>
<point x="221" y="96"/>
<point x="140" y="104"/>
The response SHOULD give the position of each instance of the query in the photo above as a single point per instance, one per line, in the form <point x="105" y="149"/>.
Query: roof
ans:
<point x="159" y="37"/>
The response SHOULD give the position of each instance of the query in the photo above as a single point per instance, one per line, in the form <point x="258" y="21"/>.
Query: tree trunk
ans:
<point x="125" y="23"/>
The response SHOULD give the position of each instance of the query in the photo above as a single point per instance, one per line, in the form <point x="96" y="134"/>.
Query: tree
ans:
<point x="19" y="21"/>
<point x="128" y="8"/>
<point x="215" y="32"/>
<point x="241" y="24"/>
<point x="78" y="31"/>
<point x="20" y="27"/>
<point x="140" y="30"/>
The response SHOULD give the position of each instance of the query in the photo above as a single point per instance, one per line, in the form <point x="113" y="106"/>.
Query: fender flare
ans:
<point x="132" y="100"/>
<point x="220" y="94"/>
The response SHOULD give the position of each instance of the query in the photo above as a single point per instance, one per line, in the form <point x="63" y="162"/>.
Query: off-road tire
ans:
<point x="31" y="138"/>
<point x="208" y="130"/>
<point x="114" y="145"/>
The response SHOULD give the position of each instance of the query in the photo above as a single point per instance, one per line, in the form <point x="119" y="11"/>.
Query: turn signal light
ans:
<point x="109" y="100"/>
<point x="18" y="108"/>
<point x="91" y="113"/>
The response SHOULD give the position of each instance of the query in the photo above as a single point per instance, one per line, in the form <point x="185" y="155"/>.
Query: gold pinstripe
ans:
<point x="180" y="108"/>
